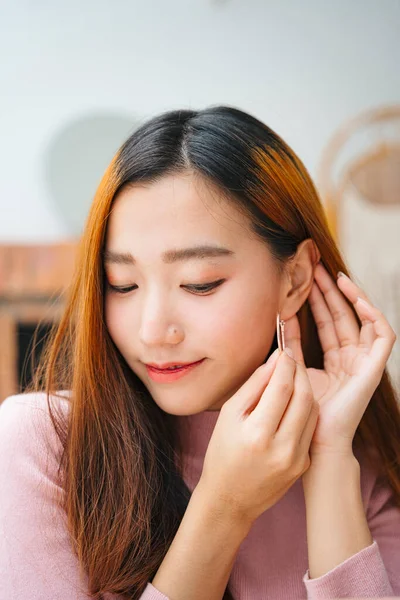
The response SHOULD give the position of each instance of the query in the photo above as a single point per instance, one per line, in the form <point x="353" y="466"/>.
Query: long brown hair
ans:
<point x="124" y="492"/>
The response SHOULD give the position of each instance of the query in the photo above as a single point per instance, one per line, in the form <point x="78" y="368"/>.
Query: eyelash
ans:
<point x="198" y="288"/>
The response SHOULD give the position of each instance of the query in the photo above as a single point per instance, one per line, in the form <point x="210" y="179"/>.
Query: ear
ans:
<point x="298" y="278"/>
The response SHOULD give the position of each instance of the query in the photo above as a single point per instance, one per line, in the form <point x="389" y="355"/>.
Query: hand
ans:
<point x="354" y="359"/>
<point x="260" y="443"/>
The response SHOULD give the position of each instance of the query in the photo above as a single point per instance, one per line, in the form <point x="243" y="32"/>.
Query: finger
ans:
<point x="276" y="396"/>
<point x="367" y="333"/>
<point x="323" y="320"/>
<point x="250" y="392"/>
<point x="298" y="411"/>
<point x="345" y="323"/>
<point x="293" y="338"/>
<point x="353" y="291"/>
<point x="385" y="336"/>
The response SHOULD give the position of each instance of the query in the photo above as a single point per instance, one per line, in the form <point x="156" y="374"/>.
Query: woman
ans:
<point x="128" y="475"/>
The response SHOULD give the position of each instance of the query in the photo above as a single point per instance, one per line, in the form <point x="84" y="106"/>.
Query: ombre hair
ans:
<point x="120" y="464"/>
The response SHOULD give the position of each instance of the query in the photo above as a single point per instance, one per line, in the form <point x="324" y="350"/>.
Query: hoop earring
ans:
<point x="280" y="332"/>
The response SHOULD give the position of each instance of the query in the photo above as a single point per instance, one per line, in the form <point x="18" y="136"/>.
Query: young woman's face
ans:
<point x="162" y="318"/>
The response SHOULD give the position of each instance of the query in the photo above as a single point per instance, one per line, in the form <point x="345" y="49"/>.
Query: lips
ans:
<point x="164" y="367"/>
<point x="171" y="375"/>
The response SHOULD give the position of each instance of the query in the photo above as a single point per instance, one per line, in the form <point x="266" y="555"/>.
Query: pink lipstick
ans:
<point x="168" y="375"/>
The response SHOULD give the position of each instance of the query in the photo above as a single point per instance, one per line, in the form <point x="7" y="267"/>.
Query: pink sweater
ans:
<point x="36" y="557"/>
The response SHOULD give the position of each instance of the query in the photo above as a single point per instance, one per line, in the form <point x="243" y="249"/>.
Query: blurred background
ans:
<point x="77" y="78"/>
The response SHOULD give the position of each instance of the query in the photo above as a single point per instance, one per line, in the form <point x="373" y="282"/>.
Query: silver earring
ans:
<point x="280" y="332"/>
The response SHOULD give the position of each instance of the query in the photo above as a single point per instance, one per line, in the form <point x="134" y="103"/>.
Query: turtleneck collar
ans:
<point x="196" y="431"/>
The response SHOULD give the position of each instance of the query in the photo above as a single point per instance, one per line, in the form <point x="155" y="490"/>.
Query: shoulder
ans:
<point x="24" y="411"/>
<point x="26" y="427"/>
<point x="33" y="400"/>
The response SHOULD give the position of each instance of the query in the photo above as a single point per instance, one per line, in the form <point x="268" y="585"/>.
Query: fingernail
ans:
<point x="289" y="352"/>
<point x="363" y="302"/>
<point x="341" y="274"/>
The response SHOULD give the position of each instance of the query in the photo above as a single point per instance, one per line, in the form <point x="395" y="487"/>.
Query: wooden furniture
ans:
<point x="31" y="281"/>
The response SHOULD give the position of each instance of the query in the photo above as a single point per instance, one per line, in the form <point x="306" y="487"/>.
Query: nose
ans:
<point x="157" y="328"/>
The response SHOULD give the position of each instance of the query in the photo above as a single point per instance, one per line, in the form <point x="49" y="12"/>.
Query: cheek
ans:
<point x="244" y="326"/>
<point x="116" y="322"/>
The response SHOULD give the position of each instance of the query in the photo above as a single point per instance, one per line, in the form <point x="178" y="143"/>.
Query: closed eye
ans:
<point x="120" y="290"/>
<point x="196" y="288"/>
<point x="205" y="287"/>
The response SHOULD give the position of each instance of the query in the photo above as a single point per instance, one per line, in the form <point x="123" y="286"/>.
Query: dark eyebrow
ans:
<point x="170" y="256"/>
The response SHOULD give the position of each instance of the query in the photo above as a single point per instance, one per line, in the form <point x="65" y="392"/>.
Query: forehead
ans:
<point x="175" y="211"/>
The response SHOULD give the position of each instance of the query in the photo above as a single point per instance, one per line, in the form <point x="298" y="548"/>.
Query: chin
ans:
<point x="178" y="409"/>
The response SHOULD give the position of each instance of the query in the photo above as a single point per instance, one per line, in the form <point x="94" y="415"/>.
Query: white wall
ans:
<point x="301" y="66"/>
